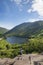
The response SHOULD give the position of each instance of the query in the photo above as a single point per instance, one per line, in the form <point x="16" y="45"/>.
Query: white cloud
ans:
<point x="30" y="10"/>
<point x="17" y="1"/>
<point x="37" y="6"/>
<point x="32" y="20"/>
<point x="20" y="3"/>
<point x="26" y="1"/>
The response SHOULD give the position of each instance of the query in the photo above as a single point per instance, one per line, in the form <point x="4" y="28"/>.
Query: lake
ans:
<point x="14" y="39"/>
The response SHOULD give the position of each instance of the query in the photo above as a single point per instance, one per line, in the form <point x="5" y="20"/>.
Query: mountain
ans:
<point x="26" y="29"/>
<point x="2" y="31"/>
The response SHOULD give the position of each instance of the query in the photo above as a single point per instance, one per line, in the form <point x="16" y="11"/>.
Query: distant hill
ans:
<point x="2" y="31"/>
<point x="26" y="29"/>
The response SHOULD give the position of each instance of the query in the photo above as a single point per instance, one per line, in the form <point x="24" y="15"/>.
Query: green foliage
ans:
<point x="33" y="31"/>
<point x="8" y="50"/>
<point x="34" y="45"/>
<point x="3" y="44"/>
<point x="2" y="31"/>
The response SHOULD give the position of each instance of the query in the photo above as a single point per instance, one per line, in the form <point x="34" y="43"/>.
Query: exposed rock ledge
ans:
<point x="23" y="60"/>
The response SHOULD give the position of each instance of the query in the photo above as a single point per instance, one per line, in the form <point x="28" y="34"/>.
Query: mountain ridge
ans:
<point x="26" y="29"/>
<point x="2" y="31"/>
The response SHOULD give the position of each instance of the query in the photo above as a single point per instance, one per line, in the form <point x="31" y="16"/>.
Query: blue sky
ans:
<point x="14" y="12"/>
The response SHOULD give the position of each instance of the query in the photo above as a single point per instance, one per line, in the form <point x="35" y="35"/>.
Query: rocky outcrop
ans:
<point x="23" y="60"/>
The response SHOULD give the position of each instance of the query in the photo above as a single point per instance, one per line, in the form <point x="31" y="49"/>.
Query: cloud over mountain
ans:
<point x="37" y="5"/>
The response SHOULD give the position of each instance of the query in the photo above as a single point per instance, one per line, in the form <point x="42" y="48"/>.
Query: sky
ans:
<point x="14" y="12"/>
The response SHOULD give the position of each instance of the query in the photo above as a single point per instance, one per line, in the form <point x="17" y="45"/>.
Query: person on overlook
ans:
<point x="30" y="59"/>
<point x="20" y="53"/>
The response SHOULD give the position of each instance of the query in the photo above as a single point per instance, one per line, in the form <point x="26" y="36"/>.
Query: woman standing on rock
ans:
<point x="30" y="59"/>
<point x="20" y="54"/>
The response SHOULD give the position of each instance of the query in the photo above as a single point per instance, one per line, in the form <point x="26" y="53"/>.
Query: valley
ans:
<point x="21" y="32"/>
<point x="28" y="36"/>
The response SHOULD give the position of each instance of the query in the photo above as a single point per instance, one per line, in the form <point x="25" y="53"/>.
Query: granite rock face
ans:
<point x="23" y="60"/>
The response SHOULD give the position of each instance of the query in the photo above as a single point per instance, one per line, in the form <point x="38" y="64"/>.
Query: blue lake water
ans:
<point x="16" y="39"/>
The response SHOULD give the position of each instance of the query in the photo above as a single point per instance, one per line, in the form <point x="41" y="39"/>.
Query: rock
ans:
<point x="23" y="60"/>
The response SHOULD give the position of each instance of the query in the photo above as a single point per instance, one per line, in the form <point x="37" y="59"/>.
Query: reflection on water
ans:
<point x="16" y="39"/>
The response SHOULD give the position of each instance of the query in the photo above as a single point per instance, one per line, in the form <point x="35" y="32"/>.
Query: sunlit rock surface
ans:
<point x="23" y="60"/>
